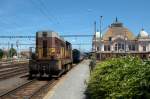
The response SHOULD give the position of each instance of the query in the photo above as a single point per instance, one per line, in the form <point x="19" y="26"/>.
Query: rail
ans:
<point x="31" y="89"/>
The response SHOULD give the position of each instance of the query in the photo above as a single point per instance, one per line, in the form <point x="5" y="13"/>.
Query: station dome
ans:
<point x="117" y="29"/>
<point x="143" y="33"/>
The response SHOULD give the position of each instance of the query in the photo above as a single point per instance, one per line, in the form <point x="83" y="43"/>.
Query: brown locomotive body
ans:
<point x="53" y="55"/>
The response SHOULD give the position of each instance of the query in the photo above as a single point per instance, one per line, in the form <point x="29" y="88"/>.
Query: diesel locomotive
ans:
<point x="52" y="57"/>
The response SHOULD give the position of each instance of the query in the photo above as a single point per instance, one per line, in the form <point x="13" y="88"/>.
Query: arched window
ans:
<point x="116" y="47"/>
<point x="132" y="47"/>
<point x="106" y="47"/>
<point x="122" y="46"/>
<point x="119" y="46"/>
<point x="144" y="48"/>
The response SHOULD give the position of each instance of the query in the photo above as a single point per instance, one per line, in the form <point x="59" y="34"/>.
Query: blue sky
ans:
<point x="25" y="17"/>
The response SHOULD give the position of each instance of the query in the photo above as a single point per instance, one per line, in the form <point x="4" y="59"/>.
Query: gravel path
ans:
<point x="73" y="86"/>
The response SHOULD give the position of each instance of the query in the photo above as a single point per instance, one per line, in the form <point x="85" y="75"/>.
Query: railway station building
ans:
<point x="120" y="41"/>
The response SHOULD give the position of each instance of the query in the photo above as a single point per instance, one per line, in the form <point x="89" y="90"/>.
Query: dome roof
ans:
<point x="143" y="33"/>
<point x="116" y="29"/>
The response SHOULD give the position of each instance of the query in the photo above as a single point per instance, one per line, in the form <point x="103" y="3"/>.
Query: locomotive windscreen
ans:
<point x="49" y="45"/>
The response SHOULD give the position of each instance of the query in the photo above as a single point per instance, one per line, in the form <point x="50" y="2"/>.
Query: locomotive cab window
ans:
<point x="44" y="34"/>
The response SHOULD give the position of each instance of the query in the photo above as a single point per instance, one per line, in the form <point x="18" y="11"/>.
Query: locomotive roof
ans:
<point x="48" y="34"/>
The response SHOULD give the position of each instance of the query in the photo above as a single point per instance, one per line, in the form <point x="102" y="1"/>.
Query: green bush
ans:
<point x="120" y="78"/>
<point x="12" y="52"/>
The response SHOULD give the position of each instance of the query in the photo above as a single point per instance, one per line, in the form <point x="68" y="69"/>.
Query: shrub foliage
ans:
<point x="120" y="78"/>
<point x="12" y="52"/>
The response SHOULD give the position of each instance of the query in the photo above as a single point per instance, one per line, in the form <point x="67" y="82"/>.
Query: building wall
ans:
<point x="125" y="46"/>
<point x="118" y="35"/>
<point x="142" y="44"/>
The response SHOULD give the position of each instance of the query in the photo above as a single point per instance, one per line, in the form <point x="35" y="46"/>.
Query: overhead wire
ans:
<point x="43" y="5"/>
<point x="42" y="11"/>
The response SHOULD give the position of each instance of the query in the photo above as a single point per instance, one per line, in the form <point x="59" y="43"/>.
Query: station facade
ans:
<point x="120" y="41"/>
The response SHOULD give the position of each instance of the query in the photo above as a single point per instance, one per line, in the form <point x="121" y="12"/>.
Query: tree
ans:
<point x="1" y="53"/>
<point x="12" y="52"/>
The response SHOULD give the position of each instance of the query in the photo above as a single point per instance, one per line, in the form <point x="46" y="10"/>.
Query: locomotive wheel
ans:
<point x="70" y="65"/>
<point x="49" y="76"/>
<point x="67" y="67"/>
<point x="41" y="74"/>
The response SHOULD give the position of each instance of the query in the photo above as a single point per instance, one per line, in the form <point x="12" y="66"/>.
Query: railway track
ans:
<point x="12" y="70"/>
<point x="34" y="89"/>
<point x="12" y="65"/>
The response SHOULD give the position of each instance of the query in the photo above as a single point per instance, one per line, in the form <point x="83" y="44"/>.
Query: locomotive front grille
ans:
<point x="48" y="67"/>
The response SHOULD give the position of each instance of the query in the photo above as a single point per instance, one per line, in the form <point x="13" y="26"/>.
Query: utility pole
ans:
<point x="100" y="36"/>
<point x="11" y="56"/>
<point x="8" y="50"/>
<point x="17" y="45"/>
<point x="101" y="26"/>
<point x="94" y="38"/>
<point x="94" y="42"/>
<point x="95" y="27"/>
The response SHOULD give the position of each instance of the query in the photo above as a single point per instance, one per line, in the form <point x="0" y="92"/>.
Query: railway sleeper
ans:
<point x="12" y="74"/>
<point x="11" y="71"/>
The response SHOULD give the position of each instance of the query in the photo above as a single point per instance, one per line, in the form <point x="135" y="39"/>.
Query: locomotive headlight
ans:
<point x="52" y="51"/>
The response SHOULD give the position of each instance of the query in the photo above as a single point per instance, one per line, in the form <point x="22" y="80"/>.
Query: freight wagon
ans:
<point x="77" y="56"/>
